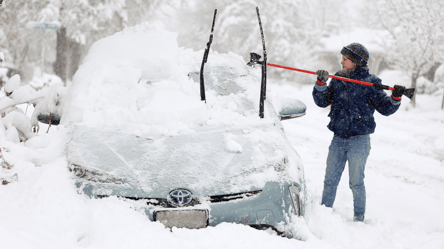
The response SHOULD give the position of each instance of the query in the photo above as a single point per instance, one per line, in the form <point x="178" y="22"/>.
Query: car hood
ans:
<point x="210" y="161"/>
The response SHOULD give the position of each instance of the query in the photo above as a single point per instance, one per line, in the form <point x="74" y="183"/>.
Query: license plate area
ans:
<point x="191" y="218"/>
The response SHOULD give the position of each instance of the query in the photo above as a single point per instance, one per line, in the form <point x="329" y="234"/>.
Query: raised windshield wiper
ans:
<point x="255" y="59"/>
<point x="205" y="57"/>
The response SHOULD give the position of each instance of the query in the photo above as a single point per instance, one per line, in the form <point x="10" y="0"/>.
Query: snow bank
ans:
<point x="43" y="209"/>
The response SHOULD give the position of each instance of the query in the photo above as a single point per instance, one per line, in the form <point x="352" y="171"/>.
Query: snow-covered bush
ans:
<point x="7" y="106"/>
<point x="43" y="80"/>
<point x="19" y="125"/>
<point x="16" y="126"/>
<point x="425" y="86"/>
<point x="12" y="84"/>
<point x="394" y="77"/>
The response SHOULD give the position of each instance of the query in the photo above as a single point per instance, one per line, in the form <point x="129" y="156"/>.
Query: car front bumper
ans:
<point x="271" y="206"/>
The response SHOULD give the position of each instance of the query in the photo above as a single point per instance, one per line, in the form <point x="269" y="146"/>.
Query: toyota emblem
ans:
<point x="180" y="197"/>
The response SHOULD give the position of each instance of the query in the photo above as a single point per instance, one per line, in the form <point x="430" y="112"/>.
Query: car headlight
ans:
<point x="295" y="196"/>
<point x="94" y="175"/>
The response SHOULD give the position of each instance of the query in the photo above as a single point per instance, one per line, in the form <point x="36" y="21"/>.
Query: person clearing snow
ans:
<point x="352" y="121"/>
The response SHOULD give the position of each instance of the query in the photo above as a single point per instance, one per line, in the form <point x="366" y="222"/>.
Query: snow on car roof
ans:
<point x="146" y="85"/>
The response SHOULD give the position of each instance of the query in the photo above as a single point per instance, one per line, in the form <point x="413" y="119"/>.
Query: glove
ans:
<point x="322" y="77"/>
<point x="398" y="92"/>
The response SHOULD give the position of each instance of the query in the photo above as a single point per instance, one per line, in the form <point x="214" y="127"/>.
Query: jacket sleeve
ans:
<point x="384" y="103"/>
<point x="323" y="95"/>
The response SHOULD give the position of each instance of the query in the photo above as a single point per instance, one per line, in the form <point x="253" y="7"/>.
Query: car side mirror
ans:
<point x="291" y="108"/>
<point x="52" y="118"/>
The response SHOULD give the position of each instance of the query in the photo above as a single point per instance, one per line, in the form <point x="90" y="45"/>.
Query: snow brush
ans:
<point x="254" y="59"/>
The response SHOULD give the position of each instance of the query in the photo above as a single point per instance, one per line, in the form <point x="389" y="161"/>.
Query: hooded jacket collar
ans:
<point x="357" y="73"/>
<point x="360" y="72"/>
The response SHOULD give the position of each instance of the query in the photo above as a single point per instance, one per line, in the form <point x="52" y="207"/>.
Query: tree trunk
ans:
<point x="67" y="56"/>
<point x="60" y="67"/>
<point x="74" y="58"/>
<point x="442" y="104"/>
<point x="414" y="79"/>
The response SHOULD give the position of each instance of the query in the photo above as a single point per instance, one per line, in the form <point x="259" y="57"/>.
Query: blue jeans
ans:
<point x="355" y="150"/>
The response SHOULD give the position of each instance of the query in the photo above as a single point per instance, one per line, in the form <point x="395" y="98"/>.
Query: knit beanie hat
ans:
<point x="357" y="53"/>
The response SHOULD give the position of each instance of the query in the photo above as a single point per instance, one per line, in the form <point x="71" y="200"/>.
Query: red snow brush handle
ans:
<point x="335" y="77"/>
<point x="254" y="59"/>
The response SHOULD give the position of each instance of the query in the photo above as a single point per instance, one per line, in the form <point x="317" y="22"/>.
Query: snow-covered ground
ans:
<point x="404" y="182"/>
<point x="404" y="175"/>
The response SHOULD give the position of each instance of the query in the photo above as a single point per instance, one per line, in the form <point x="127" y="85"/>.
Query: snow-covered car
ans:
<point x="138" y="130"/>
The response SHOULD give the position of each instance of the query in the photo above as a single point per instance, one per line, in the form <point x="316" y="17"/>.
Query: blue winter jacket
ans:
<point x="353" y="105"/>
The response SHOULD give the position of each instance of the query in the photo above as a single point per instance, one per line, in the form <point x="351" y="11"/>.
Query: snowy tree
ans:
<point x="292" y="29"/>
<point x="82" y="23"/>
<point x="328" y="16"/>
<point x="16" y="40"/>
<point x="416" y="34"/>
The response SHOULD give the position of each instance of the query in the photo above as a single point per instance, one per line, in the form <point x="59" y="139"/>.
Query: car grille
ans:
<point x="163" y="202"/>
<point x="232" y="197"/>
